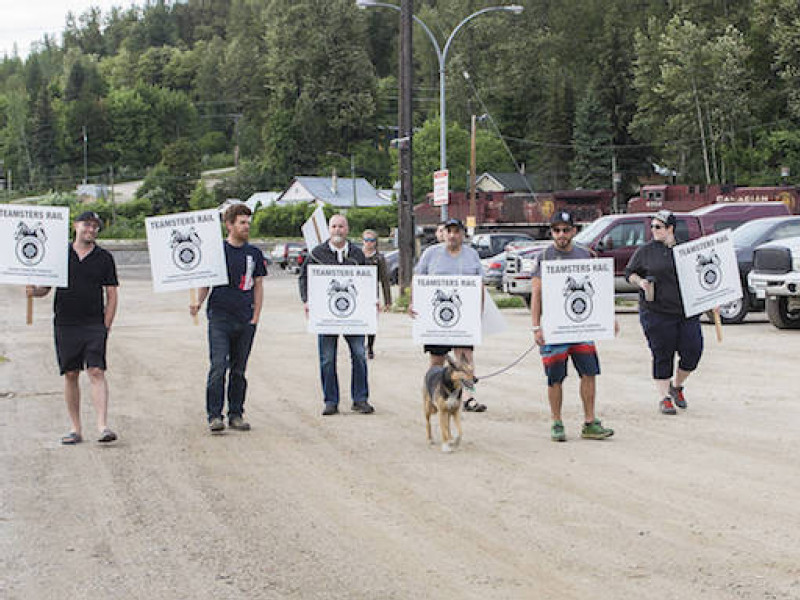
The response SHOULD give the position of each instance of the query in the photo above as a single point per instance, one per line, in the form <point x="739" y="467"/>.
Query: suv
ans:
<point x="286" y="253"/>
<point x="490" y="244"/>
<point x="776" y="278"/>
<point x="745" y="240"/>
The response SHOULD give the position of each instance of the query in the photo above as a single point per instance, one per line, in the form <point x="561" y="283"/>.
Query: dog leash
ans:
<point x="504" y="369"/>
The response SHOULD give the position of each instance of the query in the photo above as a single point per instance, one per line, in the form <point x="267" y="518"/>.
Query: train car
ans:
<point x="684" y="198"/>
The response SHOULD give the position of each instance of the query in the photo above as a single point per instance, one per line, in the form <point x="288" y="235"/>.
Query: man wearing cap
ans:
<point x="555" y="356"/>
<point x="452" y="257"/>
<point x="84" y="313"/>
<point x="667" y="329"/>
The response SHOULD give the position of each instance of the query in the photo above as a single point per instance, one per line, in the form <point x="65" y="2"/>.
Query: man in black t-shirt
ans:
<point x="84" y="312"/>
<point x="233" y="312"/>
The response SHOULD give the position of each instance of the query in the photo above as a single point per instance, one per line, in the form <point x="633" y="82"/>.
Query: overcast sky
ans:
<point x="26" y="21"/>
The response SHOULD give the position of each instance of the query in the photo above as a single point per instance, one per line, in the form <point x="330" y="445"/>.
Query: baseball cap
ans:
<point x="90" y="215"/>
<point x="454" y="223"/>
<point x="563" y="216"/>
<point x="666" y="217"/>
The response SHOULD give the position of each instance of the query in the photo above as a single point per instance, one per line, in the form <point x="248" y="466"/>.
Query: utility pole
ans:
<point x="405" y="207"/>
<point x="85" y="155"/>
<point x="113" y="205"/>
<point x="472" y="222"/>
<point x="353" y="178"/>
<point x="616" y="178"/>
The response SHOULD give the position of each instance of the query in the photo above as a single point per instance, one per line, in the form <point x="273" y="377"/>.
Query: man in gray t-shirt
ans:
<point x="555" y="356"/>
<point x="452" y="257"/>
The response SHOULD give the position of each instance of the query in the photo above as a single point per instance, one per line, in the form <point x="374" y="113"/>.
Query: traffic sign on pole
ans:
<point x="441" y="190"/>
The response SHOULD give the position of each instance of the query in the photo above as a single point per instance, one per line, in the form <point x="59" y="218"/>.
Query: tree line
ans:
<point x="708" y="90"/>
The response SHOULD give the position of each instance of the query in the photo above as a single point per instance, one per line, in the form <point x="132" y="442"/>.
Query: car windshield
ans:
<point x="586" y="235"/>
<point x="748" y="234"/>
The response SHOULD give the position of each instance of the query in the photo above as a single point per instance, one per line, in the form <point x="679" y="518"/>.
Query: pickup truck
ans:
<point x="776" y="278"/>
<point x="618" y="237"/>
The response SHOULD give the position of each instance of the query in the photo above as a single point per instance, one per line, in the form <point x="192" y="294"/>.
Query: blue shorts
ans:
<point x="554" y="359"/>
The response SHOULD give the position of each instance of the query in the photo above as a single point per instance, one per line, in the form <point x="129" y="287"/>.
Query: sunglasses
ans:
<point x="370" y="239"/>
<point x="656" y="226"/>
<point x="561" y="229"/>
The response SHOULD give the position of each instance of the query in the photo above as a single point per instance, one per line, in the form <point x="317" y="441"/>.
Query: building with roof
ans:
<point x="492" y="181"/>
<point x="333" y="191"/>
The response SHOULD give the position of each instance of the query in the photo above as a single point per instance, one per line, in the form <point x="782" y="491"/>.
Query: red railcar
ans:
<point x="683" y="198"/>
<point x="514" y="210"/>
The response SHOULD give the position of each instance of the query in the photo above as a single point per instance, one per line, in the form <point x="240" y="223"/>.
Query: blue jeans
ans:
<point x="359" y="388"/>
<point x="229" y="343"/>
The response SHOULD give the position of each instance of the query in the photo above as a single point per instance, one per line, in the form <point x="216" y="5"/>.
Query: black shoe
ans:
<point x="216" y="425"/>
<point x="365" y="408"/>
<point x="330" y="409"/>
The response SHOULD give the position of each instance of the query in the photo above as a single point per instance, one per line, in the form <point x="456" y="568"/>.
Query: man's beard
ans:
<point x="338" y="239"/>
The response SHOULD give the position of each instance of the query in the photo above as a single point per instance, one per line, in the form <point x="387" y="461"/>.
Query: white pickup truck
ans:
<point x="776" y="278"/>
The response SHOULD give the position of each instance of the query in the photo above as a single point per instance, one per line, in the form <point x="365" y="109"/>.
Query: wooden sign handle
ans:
<point x="717" y="324"/>
<point x="193" y="301"/>
<point x="29" y="311"/>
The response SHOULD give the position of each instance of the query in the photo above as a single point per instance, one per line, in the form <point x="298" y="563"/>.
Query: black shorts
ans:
<point x="81" y="346"/>
<point x="443" y="350"/>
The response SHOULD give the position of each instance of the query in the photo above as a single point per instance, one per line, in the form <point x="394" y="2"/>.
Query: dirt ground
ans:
<point x="702" y="505"/>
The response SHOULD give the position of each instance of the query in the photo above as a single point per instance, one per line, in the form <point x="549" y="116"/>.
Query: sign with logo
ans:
<point x="708" y="273"/>
<point x="577" y="300"/>
<point x="186" y="250"/>
<point x="342" y="299"/>
<point x="441" y="187"/>
<point x="448" y="309"/>
<point x="34" y="244"/>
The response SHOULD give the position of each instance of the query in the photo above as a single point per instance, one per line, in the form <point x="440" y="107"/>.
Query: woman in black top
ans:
<point x="370" y="239"/>
<point x="668" y="331"/>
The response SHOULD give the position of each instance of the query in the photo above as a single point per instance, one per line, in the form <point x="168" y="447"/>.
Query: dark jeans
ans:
<point x="359" y="388"/>
<point x="229" y="344"/>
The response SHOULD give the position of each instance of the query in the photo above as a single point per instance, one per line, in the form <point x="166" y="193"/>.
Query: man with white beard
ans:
<point x="338" y="251"/>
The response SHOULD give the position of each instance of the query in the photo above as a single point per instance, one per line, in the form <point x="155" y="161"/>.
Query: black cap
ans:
<point x="563" y="216"/>
<point x="90" y="215"/>
<point x="454" y="223"/>
<point x="666" y="217"/>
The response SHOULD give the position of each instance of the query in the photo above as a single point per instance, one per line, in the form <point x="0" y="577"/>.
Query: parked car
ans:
<point x="490" y="244"/>
<point x="286" y="252"/>
<point x="493" y="268"/>
<point x="745" y="240"/>
<point x="776" y="278"/>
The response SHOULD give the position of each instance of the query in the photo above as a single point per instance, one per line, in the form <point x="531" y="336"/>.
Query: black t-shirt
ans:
<point x="235" y="300"/>
<point x="82" y="301"/>
<point x="657" y="261"/>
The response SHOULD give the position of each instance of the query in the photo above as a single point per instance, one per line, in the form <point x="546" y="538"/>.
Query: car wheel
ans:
<point x="734" y="312"/>
<point x="781" y="314"/>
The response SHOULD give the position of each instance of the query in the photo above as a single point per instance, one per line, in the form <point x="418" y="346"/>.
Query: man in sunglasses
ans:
<point x="555" y="356"/>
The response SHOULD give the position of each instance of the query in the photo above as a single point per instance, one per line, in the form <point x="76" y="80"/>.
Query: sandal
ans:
<point x="107" y="436"/>
<point x="473" y="405"/>
<point x="71" y="438"/>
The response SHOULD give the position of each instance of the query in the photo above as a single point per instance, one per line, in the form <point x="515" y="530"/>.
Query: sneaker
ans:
<point x="216" y="425"/>
<point x="238" y="423"/>
<point x="667" y="407"/>
<point x="677" y="395"/>
<point x="330" y="409"/>
<point x="365" y="408"/>
<point x="596" y="431"/>
<point x="107" y="436"/>
<point x="557" y="433"/>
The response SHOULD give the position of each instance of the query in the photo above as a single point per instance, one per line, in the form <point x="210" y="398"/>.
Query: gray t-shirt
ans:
<point x="553" y="253"/>
<point x="436" y="260"/>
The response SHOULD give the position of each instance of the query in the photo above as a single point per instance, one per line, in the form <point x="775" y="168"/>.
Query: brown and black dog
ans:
<point x="442" y="391"/>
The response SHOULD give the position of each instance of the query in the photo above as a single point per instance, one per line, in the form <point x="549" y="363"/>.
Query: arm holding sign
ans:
<point x="536" y="310"/>
<point x="201" y="296"/>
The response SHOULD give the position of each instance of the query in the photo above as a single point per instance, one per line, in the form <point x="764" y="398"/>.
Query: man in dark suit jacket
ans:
<point x="338" y="251"/>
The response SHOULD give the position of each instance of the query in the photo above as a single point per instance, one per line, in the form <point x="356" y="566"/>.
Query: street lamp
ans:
<point x="442" y="56"/>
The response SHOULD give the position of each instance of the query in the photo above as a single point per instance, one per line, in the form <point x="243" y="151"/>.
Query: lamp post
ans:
<point x="441" y="55"/>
